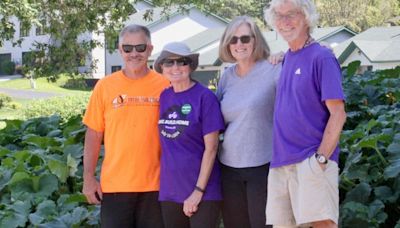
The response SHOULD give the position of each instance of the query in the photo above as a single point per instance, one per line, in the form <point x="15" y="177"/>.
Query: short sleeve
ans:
<point x="94" y="114"/>
<point x="211" y="116"/>
<point x="330" y="79"/>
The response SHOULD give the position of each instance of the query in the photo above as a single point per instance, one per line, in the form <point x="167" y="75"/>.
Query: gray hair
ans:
<point x="307" y="7"/>
<point x="261" y="48"/>
<point x="134" y="28"/>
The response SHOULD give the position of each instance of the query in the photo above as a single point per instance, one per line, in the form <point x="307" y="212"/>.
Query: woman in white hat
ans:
<point x="190" y="121"/>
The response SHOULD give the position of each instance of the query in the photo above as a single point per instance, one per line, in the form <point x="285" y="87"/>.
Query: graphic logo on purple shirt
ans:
<point x="174" y="121"/>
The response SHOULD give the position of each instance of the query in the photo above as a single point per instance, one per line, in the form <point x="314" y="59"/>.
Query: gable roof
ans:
<point x="378" y="44"/>
<point x="159" y="15"/>
<point x="277" y="43"/>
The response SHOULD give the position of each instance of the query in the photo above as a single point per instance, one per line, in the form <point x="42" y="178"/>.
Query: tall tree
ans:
<point x="359" y="15"/>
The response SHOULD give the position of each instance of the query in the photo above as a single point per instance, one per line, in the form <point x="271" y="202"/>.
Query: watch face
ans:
<point x="321" y="159"/>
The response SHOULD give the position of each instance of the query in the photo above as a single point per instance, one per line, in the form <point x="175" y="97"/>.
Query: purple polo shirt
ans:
<point x="309" y="76"/>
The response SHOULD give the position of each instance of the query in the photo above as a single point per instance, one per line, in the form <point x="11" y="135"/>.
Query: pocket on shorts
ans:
<point x="314" y="166"/>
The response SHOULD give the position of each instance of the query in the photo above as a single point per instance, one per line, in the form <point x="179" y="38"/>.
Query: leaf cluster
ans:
<point x="41" y="174"/>
<point x="370" y="144"/>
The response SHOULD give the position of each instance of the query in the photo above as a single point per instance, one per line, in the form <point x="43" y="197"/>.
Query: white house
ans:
<point x="377" y="48"/>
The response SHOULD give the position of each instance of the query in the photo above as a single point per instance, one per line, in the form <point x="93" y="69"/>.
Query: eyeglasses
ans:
<point x="243" y="39"/>
<point x="179" y="62"/>
<point x="290" y="16"/>
<point x="128" y="48"/>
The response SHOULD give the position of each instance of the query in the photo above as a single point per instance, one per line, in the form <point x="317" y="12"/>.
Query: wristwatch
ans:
<point x="321" y="158"/>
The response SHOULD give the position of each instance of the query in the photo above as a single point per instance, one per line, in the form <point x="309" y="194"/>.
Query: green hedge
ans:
<point x="65" y="107"/>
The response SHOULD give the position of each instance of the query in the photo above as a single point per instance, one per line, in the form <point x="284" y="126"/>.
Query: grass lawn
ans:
<point x="42" y="85"/>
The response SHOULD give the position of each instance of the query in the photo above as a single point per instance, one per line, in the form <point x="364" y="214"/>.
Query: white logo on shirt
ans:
<point x="298" y="71"/>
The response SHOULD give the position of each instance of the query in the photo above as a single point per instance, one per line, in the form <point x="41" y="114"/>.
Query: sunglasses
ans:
<point x="128" y="48"/>
<point x="243" y="39"/>
<point x="179" y="62"/>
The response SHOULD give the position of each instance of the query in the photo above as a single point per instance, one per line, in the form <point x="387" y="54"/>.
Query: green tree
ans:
<point x="65" y="22"/>
<point x="358" y="15"/>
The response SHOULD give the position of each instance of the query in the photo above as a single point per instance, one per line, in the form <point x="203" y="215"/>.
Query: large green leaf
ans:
<point x="18" y="216"/>
<point x="352" y="68"/>
<point x="75" y="150"/>
<point x="360" y="193"/>
<point x="385" y="194"/>
<point x="393" y="169"/>
<point x="18" y="177"/>
<point x="42" y="142"/>
<point x="48" y="184"/>
<point x="60" y="169"/>
<point x="43" y="211"/>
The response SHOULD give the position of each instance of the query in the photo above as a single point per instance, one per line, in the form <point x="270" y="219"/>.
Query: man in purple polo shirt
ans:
<point x="308" y="119"/>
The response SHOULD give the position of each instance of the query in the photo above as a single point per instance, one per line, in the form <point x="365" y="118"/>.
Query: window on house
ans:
<point x="24" y="30"/>
<point x="40" y="28"/>
<point x="28" y="58"/>
<point x="115" y="68"/>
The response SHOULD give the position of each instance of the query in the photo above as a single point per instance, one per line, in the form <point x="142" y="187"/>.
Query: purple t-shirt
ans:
<point x="309" y="76"/>
<point x="186" y="117"/>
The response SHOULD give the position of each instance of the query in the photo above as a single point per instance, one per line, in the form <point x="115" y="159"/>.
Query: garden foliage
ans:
<point x="370" y="145"/>
<point x="41" y="174"/>
<point x="41" y="162"/>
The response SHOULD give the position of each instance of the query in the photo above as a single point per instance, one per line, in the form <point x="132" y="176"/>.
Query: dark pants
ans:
<point x="207" y="215"/>
<point x="244" y="192"/>
<point x="133" y="210"/>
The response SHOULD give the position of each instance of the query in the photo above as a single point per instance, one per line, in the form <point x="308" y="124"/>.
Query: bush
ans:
<point x="65" y="107"/>
<point x="370" y="143"/>
<point x="4" y="100"/>
<point x="41" y="174"/>
<point x="8" y="67"/>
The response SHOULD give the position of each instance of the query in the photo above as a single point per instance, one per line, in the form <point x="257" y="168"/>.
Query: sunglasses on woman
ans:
<point x="179" y="62"/>
<point x="128" y="48"/>
<point x="243" y="39"/>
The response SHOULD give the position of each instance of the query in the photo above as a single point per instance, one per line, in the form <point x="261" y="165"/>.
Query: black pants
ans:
<point x="244" y="192"/>
<point x="133" y="210"/>
<point x="207" y="215"/>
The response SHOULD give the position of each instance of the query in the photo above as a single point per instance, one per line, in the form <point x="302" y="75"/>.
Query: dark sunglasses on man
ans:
<point x="179" y="62"/>
<point x="243" y="39"/>
<point x="128" y="48"/>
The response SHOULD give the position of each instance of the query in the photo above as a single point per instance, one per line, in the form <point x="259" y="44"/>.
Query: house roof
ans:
<point x="277" y="43"/>
<point x="378" y="44"/>
<point x="207" y="43"/>
<point x="159" y="15"/>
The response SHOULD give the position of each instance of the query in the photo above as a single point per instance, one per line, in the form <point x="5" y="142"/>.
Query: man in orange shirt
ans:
<point x="123" y="111"/>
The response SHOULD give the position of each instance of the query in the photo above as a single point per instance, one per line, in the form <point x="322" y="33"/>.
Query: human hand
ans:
<point x="191" y="204"/>
<point x="276" y="58"/>
<point x="323" y="166"/>
<point x="92" y="190"/>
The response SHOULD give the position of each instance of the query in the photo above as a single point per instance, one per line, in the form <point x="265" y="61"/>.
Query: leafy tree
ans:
<point x="359" y="15"/>
<point x="65" y="21"/>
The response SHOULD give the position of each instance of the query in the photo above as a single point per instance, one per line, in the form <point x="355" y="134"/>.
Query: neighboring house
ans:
<point x="177" y="26"/>
<point x="207" y="44"/>
<point x="377" y="48"/>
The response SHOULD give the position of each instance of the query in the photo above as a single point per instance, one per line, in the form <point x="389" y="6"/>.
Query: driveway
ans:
<point x="23" y="94"/>
<point x="27" y="94"/>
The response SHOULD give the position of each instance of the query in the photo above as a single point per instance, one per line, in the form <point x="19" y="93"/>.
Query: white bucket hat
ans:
<point x="176" y="49"/>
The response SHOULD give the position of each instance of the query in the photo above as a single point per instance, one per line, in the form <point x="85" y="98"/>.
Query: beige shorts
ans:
<point x="302" y="193"/>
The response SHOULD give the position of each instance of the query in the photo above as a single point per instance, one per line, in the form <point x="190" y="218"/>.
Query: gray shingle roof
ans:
<point x="378" y="44"/>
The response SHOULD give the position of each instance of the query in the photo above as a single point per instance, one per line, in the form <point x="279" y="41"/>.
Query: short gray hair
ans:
<point x="134" y="28"/>
<point x="307" y="7"/>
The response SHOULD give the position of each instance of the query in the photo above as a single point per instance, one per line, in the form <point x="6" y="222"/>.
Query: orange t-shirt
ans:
<point x="127" y="111"/>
